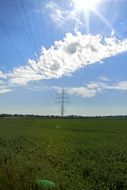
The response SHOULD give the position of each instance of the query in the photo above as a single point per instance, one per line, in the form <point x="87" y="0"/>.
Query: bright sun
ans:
<point x="86" y="5"/>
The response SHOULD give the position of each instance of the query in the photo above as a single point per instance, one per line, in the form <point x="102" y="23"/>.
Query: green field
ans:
<point x="75" y="154"/>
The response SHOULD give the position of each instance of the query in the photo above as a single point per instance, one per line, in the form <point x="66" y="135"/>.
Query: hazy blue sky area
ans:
<point x="47" y="45"/>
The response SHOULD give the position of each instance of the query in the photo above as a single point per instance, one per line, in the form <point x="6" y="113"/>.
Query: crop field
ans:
<point x="75" y="154"/>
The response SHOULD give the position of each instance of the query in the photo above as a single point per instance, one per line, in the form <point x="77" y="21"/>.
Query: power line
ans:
<point x="42" y="21"/>
<point x="24" y="26"/>
<point x="35" y="21"/>
<point x="12" y="42"/>
<point x="27" y="19"/>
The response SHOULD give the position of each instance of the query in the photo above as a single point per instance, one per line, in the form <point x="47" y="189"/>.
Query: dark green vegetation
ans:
<point x="75" y="154"/>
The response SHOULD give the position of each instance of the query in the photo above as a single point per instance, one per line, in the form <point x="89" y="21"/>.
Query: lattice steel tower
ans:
<point x="62" y="99"/>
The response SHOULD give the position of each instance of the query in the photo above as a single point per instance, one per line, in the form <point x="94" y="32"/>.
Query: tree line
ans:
<point x="4" y="115"/>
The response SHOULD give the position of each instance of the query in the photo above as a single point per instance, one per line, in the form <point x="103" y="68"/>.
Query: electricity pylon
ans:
<point x="62" y="99"/>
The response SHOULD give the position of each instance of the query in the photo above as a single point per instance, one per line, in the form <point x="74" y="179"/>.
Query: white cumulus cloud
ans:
<point x="65" y="57"/>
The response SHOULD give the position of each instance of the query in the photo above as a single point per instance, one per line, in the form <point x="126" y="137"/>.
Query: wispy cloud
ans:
<point x="2" y="75"/>
<point x="94" y="88"/>
<point x="4" y="83"/>
<point x="83" y="91"/>
<point x="87" y="91"/>
<point x="4" y="88"/>
<point x="63" y="16"/>
<point x="121" y="86"/>
<point x="104" y="78"/>
<point x="70" y="16"/>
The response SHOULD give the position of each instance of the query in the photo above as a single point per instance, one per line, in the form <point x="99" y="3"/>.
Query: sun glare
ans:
<point x="86" y="5"/>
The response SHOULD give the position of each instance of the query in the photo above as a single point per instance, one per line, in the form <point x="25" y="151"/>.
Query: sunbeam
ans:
<point x="102" y="18"/>
<point x="85" y="4"/>
<point x="87" y="22"/>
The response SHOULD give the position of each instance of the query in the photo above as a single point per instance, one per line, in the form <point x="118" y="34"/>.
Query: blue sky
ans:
<point x="47" y="45"/>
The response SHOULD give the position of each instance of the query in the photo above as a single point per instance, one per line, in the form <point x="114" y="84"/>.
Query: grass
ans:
<point x="75" y="154"/>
